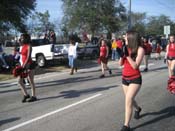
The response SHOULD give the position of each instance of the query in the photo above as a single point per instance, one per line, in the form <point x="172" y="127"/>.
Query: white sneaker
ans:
<point x="27" y="84"/>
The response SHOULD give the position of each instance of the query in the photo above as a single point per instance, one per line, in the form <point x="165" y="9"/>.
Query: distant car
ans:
<point x="43" y="51"/>
<point x="9" y="47"/>
<point x="8" y="44"/>
<point x="88" y="50"/>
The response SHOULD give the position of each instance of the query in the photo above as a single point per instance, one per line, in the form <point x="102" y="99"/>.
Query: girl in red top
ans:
<point x="27" y="64"/>
<point x="131" y="57"/>
<point x="104" y="51"/>
<point x="158" y="51"/>
<point x="170" y="55"/>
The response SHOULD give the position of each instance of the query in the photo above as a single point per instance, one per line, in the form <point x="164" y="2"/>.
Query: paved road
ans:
<point x="83" y="102"/>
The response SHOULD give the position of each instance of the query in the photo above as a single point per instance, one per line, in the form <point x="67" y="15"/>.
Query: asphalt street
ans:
<point x="84" y="102"/>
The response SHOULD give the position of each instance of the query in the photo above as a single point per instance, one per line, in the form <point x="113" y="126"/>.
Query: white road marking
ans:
<point x="51" y="113"/>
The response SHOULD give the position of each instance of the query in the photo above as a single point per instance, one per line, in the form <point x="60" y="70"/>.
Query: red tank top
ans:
<point x="158" y="49"/>
<point x="24" y="53"/>
<point x="148" y="49"/>
<point x="119" y="44"/>
<point x="103" y="51"/>
<point x="128" y="71"/>
<point x="171" y="50"/>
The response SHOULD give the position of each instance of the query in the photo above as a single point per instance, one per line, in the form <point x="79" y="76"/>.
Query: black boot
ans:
<point x="25" y="98"/>
<point x="125" y="128"/>
<point x="145" y="70"/>
<point x="110" y="72"/>
<point x="137" y="113"/>
<point x="102" y="76"/>
<point x="32" y="99"/>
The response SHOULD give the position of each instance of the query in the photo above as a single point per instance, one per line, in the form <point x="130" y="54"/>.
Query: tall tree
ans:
<point x="93" y="15"/>
<point x="14" y="12"/>
<point x="39" y="23"/>
<point x="138" y="21"/>
<point x="156" y="24"/>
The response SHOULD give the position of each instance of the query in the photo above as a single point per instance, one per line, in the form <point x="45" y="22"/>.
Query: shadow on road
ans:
<point x="78" y="93"/>
<point x="156" y="69"/>
<point x="162" y="114"/>
<point x="58" y="82"/>
<point x="2" y="122"/>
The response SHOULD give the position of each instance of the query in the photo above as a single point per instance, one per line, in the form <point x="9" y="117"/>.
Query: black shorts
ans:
<point x="104" y="60"/>
<point x="31" y="66"/>
<point x="133" y="81"/>
<point x="170" y="58"/>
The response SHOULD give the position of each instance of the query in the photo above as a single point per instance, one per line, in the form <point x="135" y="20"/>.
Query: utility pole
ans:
<point x="129" y="16"/>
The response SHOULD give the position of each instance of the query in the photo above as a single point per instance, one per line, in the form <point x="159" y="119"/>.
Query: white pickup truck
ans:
<point x="43" y="51"/>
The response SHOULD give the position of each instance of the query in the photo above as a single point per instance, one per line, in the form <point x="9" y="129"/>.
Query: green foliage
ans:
<point x="93" y="15"/>
<point x="40" y="23"/>
<point x="138" y="22"/>
<point x="14" y="12"/>
<point x="156" y="24"/>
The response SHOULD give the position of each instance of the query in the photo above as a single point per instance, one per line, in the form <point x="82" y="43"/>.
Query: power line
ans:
<point x="165" y="5"/>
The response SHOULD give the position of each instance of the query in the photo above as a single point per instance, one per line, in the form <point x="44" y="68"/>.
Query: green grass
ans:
<point x="4" y="77"/>
<point x="49" y="69"/>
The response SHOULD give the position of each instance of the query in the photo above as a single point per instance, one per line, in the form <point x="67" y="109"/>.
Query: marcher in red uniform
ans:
<point x="170" y="55"/>
<point x="104" y="52"/>
<point x="131" y="54"/>
<point x="158" y="51"/>
<point x="148" y="49"/>
<point x="27" y="64"/>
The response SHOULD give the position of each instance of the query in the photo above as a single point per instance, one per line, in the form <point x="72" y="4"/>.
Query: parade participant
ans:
<point x="158" y="51"/>
<point x="148" y="50"/>
<point x="170" y="55"/>
<point x="104" y="52"/>
<point x="29" y="66"/>
<point x="72" y="54"/>
<point x="131" y="54"/>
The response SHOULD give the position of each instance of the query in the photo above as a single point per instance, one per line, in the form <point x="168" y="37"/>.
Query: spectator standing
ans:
<point x="52" y="37"/>
<point x="113" y="48"/>
<point x="72" y="54"/>
<point x="5" y="65"/>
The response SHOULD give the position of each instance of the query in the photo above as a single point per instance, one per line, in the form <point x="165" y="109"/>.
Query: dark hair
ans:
<point x="26" y="39"/>
<point x="72" y="39"/>
<point x="134" y="41"/>
<point x="145" y="38"/>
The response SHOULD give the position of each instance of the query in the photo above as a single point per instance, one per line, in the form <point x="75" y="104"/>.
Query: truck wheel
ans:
<point x="41" y="61"/>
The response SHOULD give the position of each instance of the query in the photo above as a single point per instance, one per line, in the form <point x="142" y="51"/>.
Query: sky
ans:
<point x="151" y="7"/>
